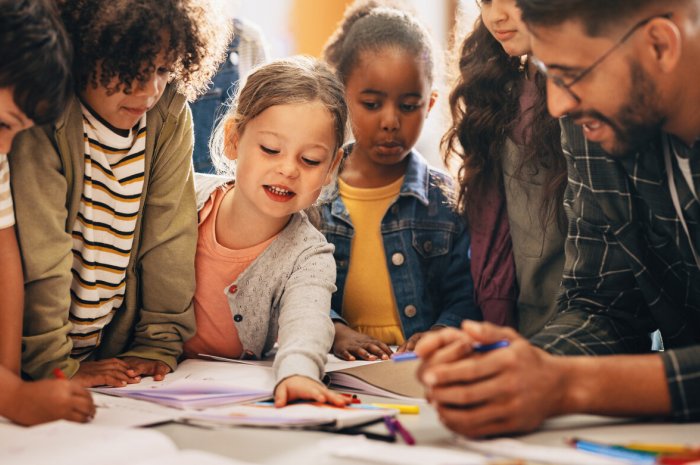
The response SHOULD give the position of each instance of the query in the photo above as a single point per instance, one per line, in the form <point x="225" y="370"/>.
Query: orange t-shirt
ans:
<point x="216" y="267"/>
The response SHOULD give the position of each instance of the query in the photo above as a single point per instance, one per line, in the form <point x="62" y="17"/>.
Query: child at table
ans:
<point x="264" y="273"/>
<point x="34" y="86"/>
<point x="400" y="248"/>
<point x="105" y="198"/>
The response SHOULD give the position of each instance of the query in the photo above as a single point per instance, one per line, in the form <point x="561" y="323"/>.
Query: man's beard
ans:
<point x="639" y="121"/>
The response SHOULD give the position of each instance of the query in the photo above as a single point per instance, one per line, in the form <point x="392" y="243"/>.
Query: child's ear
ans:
<point x="231" y="138"/>
<point x="334" y="168"/>
<point x="431" y="102"/>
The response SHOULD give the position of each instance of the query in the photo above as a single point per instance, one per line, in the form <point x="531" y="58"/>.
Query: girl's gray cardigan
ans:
<point x="284" y="295"/>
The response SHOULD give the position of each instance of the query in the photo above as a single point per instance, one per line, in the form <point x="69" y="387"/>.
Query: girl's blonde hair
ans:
<point x="294" y="80"/>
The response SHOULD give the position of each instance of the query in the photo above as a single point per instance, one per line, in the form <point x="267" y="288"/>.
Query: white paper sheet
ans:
<point x="363" y="450"/>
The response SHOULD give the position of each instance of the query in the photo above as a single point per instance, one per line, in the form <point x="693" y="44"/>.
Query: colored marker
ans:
<point x="403" y="432"/>
<point x="407" y="409"/>
<point x="480" y="348"/>
<point x="58" y="374"/>
<point x="660" y="448"/>
<point x="390" y="426"/>
<point x="613" y="451"/>
<point x="404" y="356"/>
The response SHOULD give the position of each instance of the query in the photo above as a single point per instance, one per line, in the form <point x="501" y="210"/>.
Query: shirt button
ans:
<point x="395" y="209"/>
<point x="397" y="259"/>
<point x="237" y="317"/>
<point x="427" y="246"/>
<point x="233" y="289"/>
<point x="410" y="311"/>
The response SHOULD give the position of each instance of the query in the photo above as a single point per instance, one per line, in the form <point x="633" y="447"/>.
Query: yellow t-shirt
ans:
<point x="369" y="305"/>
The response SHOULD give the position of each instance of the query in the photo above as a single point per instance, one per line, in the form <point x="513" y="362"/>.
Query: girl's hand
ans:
<point x="147" y="367"/>
<point x="108" y="372"/>
<point x="48" y="400"/>
<point x="351" y="345"/>
<point x="303" y="388"/>
<point x="411" y="342"/>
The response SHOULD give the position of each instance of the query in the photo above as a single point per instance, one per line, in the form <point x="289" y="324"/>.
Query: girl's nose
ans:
<point x="288" y="168"/>
<point x="390" y="119"/>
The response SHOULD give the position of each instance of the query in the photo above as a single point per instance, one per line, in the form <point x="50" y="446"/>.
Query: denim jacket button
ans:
<point x="395" y="209"/>
<point x="428" y="246"/>
<point x="238" y="318"/>
<point x="410" y="311"/>
<point x="397" y="259"/>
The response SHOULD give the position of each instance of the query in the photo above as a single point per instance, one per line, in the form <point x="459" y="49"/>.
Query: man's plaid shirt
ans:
<point x="629" y="267"/>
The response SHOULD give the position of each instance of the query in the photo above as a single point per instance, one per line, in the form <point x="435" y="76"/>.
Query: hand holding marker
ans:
<point x="478" y="348"/>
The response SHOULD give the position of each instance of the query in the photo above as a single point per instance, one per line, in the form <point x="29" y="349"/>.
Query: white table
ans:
<point x="278" y="447"/>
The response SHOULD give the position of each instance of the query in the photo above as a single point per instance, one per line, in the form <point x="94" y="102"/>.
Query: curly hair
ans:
<point x="35" y="58"/>
<point x="122" y="38"/>
<point x="372" y="25"/>
<point x="484" y="105"/>
<point x="293" y="80"/>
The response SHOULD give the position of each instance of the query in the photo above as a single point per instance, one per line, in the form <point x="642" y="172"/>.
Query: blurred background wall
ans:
<point x="303" y="26"/>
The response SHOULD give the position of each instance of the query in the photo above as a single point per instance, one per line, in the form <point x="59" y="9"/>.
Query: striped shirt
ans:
<point x="103" y="232"/>
<point x="7" y="214"/>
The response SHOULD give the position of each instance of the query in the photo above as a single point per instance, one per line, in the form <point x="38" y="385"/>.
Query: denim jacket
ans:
<point x="426" y="246"/>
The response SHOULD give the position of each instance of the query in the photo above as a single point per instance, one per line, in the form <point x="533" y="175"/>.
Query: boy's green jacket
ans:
<point x="47" y="167"/>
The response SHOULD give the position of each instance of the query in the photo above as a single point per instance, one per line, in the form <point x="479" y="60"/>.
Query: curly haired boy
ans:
<point x="104" y="198"/>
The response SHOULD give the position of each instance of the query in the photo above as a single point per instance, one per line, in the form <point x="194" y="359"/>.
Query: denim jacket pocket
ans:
<point x="431" y="244"/>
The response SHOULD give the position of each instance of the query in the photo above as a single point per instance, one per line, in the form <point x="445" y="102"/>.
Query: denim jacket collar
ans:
<point x="416" y="183"/>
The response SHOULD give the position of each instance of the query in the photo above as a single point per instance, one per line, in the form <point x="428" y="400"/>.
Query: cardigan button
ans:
<point x="410" y="311"/>
<point x="233" y="289"/>
<point x="397" y="259"/>
<point x="237" y="317"/>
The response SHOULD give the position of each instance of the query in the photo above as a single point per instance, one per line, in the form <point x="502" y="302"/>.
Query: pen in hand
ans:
<point x="478" y="348"/>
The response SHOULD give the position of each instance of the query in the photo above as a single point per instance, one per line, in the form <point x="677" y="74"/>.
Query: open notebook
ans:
<point x="300" y="415"/>
<point x="198" y="384"/>
<point x="382" y="378"/>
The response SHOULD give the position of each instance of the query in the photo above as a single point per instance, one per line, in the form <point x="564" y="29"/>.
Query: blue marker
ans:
<point x="480" y="348"/>
<point x="488" y="347"/>
<point x="614" y="452"/>
<point x="404" y="356"/>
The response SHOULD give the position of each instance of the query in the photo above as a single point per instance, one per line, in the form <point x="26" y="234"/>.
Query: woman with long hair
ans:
<point x="512" y="172"/>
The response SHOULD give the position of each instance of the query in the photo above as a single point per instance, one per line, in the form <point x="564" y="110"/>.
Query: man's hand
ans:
<point x="507" y="390"/>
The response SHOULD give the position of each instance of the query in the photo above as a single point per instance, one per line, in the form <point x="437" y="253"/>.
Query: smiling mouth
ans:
<point x="278" y="191"/>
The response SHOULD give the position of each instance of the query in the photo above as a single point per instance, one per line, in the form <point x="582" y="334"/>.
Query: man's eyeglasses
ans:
<point x="566" y="86"/>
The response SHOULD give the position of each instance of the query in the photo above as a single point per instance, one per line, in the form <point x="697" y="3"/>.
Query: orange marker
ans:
<point x="58" y="374"/>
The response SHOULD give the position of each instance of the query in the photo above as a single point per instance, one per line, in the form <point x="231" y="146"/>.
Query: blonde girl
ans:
<point x="264" y="273"/>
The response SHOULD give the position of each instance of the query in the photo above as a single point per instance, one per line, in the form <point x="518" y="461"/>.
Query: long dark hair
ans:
<point x="485" y="108"/>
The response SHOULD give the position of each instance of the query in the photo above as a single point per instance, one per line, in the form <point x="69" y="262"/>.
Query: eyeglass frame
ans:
<point x="559" y="81"/>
